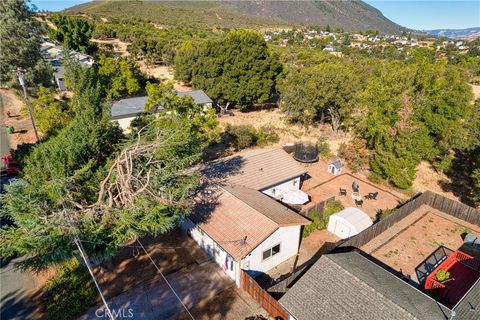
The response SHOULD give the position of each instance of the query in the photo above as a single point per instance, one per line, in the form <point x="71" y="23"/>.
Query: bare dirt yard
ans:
<point x="408" y="243"/>
<point x="131" y="281"/>
<point x="429" y="179"/>
<point x="162" y="73"/>
<point x="119" y="47"/>
<point x="13" y="116"/>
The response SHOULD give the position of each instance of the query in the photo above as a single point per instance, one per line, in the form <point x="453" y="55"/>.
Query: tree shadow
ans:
<point x="461" y="184"/>
<point x="22" y="305"/>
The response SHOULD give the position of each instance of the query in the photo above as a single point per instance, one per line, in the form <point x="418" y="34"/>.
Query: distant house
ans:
<point x="350" y="286"/>
<point x="58" y="75"/>
<point x="125" y="110"/>
<point x="199" y="97"/>
<point x="236" y="220"/>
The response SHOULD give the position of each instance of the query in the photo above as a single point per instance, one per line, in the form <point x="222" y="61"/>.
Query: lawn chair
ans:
<point x="359" y="203"/>
<point x="343" y="192"/>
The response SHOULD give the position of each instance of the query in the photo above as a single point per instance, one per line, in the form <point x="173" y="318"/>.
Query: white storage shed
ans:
<point x="348" y="222"/>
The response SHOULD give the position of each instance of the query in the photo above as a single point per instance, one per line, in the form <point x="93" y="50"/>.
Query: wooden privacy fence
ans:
<point x="436" y="201"/>
<point x="272" y="306"/>
<point x="318" y="207"/>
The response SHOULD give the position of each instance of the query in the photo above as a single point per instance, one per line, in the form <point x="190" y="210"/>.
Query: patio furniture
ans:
<point x="355" y="186"/>
<point x="356" y="196"/>
<point x="372" y="196"/>
<point x="343" y="192"/>
<point x="359" y="203"/>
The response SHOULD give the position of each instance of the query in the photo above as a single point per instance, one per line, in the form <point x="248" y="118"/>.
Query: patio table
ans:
<point x="356" y="196"/>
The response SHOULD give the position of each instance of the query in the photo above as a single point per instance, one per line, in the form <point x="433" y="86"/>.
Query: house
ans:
<point x="236" y="218"/>
<point x="125" y="110"/>
<point x="199" y="97"/>
<point x="350" y="286"/>
<point x="58" y="75"/>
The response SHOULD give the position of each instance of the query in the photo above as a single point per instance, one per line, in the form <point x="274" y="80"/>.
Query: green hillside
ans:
<point x="198" y="14"/>
<point x="348" y="15"/>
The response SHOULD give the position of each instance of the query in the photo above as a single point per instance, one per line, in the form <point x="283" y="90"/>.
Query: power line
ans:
<point x="171" y="288"/>
<point x="75" y="237"/>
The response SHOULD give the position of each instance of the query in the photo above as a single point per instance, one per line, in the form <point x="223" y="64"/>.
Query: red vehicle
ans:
<point x="9" y="164"/>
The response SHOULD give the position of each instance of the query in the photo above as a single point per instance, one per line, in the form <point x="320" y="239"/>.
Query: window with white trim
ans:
<point x="271" y="252"/>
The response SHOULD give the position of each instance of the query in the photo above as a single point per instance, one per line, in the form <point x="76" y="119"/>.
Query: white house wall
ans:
<point x="287" y="237"/>
<point x="214" y="250"/>
<point x="278" y="190"/>
<point x="124" y="123"/>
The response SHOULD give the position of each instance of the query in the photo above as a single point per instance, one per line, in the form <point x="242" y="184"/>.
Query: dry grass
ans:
<point x="288" y="133"/>
<point x="429" y="179"/>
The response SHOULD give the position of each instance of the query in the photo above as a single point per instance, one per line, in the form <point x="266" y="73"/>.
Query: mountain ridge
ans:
<point x="465" y="34"/>
<point x="348" y="15"/>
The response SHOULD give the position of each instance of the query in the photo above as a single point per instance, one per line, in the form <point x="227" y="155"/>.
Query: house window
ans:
<point x="271" y="252"/>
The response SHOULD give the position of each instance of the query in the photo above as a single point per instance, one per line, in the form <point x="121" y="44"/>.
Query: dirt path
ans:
<point x="23" y="130"/>
<point x="476" y="91"/>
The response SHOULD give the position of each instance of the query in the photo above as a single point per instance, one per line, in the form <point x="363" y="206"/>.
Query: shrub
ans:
<point x="442" y="275"/>
<point x="383" y="213"/>
<point x="330" y="208"/>
<point x="308" y="229"/>
<point x="70" y="292"/>
<point x="243" y="136"/>
<point x="266" y="136"/>
<point x="375" y="178"/>
<point x="323" y="147"/>
<point x="321" y="223"/>
<point x="355" y="153"/>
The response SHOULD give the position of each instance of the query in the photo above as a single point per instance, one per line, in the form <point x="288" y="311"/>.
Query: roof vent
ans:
<point x="243" y="242"/>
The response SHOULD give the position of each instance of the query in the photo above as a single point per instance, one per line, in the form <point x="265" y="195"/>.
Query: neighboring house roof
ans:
<point x="235" y="212"/>
<point x="130" y="107"/>
<point x="256" y="169"/>
<point x="469" y="307"/>
<point x="198" y="96"/>
<point x="349" y="286"/>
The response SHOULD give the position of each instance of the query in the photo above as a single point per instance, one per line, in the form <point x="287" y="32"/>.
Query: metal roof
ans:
<point x="350" y="286"/>
<point x="198" y="96"/>
<point x="130" y="107"/>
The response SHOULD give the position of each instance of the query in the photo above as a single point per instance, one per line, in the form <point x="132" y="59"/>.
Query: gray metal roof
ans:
<point x="198" y="96"/>
<point x="130" y="107"/>
<point x="349" y="286"/>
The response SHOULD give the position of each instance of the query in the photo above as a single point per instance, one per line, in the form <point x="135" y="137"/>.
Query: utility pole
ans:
<point x="75" y="237"/>
<point x="27" y="101"/>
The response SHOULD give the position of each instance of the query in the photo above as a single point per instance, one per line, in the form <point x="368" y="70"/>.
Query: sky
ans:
<point x="420" y="15"/>
<point x="430" y="14"/>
